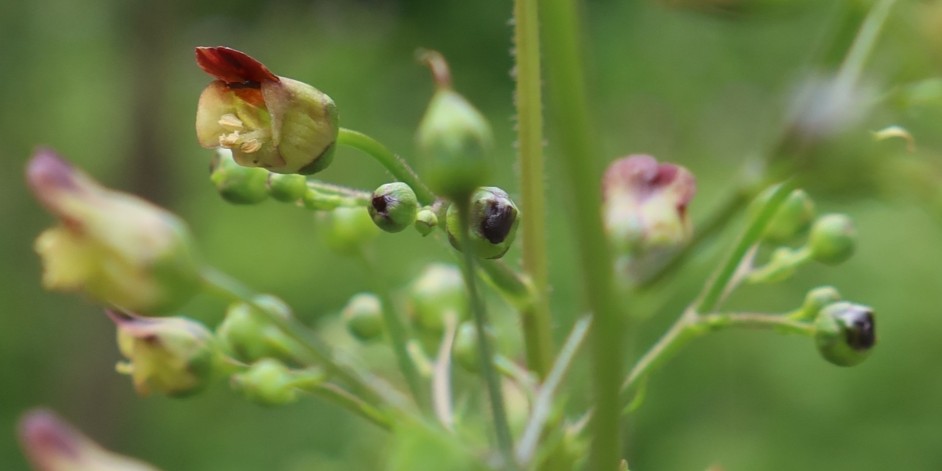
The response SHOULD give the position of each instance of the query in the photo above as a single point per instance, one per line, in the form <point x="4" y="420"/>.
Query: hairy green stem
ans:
<point x="535" y="320"/>
<point x="398" y="336"/>
<point x="360" y="196"/>
<point x="579" y="150"/>
<point x="388" y="159"/>
<point x="479" y="312"/>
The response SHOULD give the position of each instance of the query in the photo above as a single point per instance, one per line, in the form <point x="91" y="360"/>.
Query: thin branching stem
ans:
<point x="388" y="159"/>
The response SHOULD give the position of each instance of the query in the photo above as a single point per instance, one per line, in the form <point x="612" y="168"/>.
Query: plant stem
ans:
<point x="392" y="162"/>
<point x="537" y="336"/>
<point x="338" y="395"/>
<point x="860" y="50"/>
<point x="566" y="87"/>
<point x="691" y="326"/>
<point x="516" y="288"/>
<point x="479" y="312"/>
<point x="360" y="196"/>
<point x="719" y="284"/>
<point x="544" y="400"/>
<point x="398" y="335"/>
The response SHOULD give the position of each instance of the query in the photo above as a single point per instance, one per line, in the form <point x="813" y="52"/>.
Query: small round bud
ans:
<point x="845" y="333"/>
<point x="349" y="229"/>
<point x="249" y="336"/>
<point x="793" y="216"/>
<point x="818" y="299"/>
<point x="494" y="221"/>
<point x="287" y="188"/>
<point x="393" y="206"/>
<point x="454" y="138"/>
<point x="425" y="221"/>
<point x="271" y="383"/>
<point x="465" y="348"/>
<point x="438" y="290"/>
<point x="237" y="184"/>
<point x="175" y="356"/>
<point x="363" y="315"/>
<point x="833" y="239"/>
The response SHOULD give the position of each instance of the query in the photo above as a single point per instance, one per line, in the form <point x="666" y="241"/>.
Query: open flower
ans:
<point x="51" y="444"/>
<point x="268" y="121"/>
<point x="175" y="356"/>
<point x="645" y="204"/>
<point x="116" y="247"/>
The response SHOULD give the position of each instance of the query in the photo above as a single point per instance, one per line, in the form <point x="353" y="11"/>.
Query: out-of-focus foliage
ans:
<point x="113" y="86"/>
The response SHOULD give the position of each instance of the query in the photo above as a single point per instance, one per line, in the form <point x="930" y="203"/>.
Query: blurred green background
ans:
<point x="112" y="85"/>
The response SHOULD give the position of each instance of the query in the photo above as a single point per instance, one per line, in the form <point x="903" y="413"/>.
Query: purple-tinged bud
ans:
<point x="645" y="204"/>
<point x="493" y="223"/>
<point x="175" y="356"/>
<point x="51" y="444"/>
<point x="393" y="207"/>
<point x="268" y="121"/>
<point x="116" y="247"/>
<point x="845" y="333"/>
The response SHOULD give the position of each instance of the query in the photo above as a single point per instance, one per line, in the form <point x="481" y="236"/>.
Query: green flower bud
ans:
<point x="793" y="216"/>
<point x="438" y="290"/>
<point x="494" y="221"/>
<point x="349" y="229"/>
<point x="248" y="335"/>
<point x="816" y="300"/>
<point x="267" y="121"/>
<point x="363" y="315"/>
<point x="393" y="206"/>
<point x="238" y="184"/>
<point x="175" y="356"/>
<point x="425" y="221"/>
<point x="287" y="188"/>
<point x="116" y="247"/>
<point x="51" y="444"/>
<point x="833" y="239"/>
<point x="271" y="383"/>
<point x="645" y="204"/>
<point x="453" y="137"/>
<point x="465" y="349"/>
<point x="845" y="333"/>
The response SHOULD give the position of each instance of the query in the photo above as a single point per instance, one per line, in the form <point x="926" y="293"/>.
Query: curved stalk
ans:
<point x="388" y="159"/>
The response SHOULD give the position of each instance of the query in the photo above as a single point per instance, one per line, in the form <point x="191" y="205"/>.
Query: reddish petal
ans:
<point x="232" y="66"/>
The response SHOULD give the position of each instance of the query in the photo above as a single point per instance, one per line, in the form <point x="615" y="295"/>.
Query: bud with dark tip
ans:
<point x="454" y="137"/>
<point x="493" y="219"/>
<point x="51" y="444"/>
<point x="175" y="356"/>
<point x="845" y="333"/>
<point x="287" y="188"/>
<point x="645" y="204"/>
<point x="439" y="290"/>
<point x="116" y="247"/>
<point x="426" y="221"/>
<point x="267" y="121"/>
<point x="248" y="335"/>
<point x="833" y="239"/>
<point x="393" y="207"/>
<point x="363" y="315"/>
<point x="237" y="184"/>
